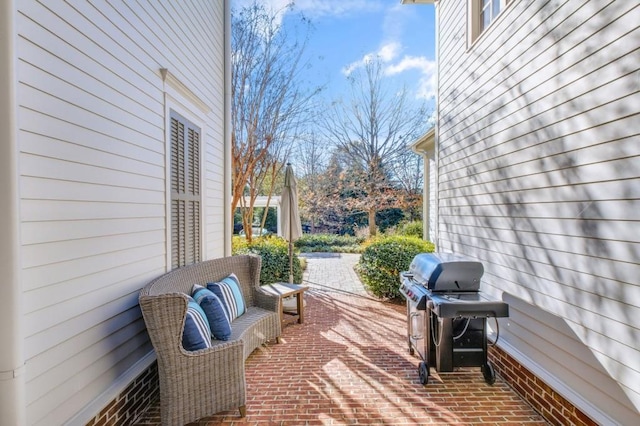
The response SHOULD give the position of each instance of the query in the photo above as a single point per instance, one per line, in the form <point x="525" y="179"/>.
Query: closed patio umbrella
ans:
<point x="291" y="227"/>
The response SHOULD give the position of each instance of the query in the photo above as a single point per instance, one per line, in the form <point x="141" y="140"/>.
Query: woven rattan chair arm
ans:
<point x="266" y="301"/>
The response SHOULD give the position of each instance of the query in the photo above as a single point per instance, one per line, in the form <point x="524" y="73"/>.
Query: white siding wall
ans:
<point x="539" y="178"/>
<point x="431" y="219"/>
<point x="92" y="161"/>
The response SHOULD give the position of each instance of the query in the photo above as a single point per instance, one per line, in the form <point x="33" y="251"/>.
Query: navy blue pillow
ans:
<point x="215" y="312"/>
<point x="196" y="334"/>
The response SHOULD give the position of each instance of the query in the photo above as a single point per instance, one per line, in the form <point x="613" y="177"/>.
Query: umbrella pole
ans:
<point x="290" y="263"/>
<point x="290" y="247"/>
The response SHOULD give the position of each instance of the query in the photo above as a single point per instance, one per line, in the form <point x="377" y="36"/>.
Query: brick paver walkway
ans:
<point x="333" y="272"/>
<point x="349" y="364"/>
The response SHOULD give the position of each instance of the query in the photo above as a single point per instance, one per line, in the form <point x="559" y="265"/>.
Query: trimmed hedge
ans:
<point x="275" y="258"/>
<point x="383" y="259"/>
<point x="329" y="243"/>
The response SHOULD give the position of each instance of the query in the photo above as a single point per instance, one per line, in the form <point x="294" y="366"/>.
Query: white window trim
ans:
<point x="473" y="19"/>
<point x="179" y="98"/>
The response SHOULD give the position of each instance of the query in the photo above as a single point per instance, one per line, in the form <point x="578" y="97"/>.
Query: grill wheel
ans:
<point x="489" y="375"/>
<point x="423" y="371"/>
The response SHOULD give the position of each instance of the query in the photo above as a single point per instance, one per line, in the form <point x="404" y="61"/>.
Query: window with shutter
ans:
<point x="185" y="192"/>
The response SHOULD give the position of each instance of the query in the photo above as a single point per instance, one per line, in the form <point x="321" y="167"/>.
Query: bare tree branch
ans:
<point x="372" y="132"/>
<point x="269" y="104"/>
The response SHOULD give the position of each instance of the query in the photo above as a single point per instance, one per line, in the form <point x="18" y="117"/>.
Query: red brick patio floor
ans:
<point x="349" y="363"/>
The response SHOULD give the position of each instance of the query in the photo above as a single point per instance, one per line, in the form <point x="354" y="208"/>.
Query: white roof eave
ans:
<point x="424" y="143"/>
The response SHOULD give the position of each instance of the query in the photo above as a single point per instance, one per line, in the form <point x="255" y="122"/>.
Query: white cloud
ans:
<point x="427" y="81"/>
<point x="427" y="69"/>
<point x="357" y="64"/>
<point x="393" y="27"/>
<point x="427" y="85"/>
<point x="411" y="62"/>
<point x="395" y="20"/>
<point x="386" y="53"/>
<point x="389" y="51"/>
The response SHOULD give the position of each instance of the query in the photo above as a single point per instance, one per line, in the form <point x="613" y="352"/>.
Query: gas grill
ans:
<point x="447" y="313"/>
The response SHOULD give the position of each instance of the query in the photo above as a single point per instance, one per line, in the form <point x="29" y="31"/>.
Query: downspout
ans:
<point x="12" y="376"/>
<point x="228" y="214"/>
<point x="436" y="137"/>
<point x="426" y="198"/>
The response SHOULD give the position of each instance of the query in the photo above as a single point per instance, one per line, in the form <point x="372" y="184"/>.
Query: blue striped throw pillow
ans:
<point x="214" y="309"/>
<point x="196" y="334"/>
<point x="229" y="292"/>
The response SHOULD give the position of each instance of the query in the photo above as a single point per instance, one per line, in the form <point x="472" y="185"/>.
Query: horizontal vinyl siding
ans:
<point x="213" y="163"/>
<point x="546" y="344"/>
<point x="539" y="178"/>
<point x="214" y="192"/>
<point x="91" y="119"/>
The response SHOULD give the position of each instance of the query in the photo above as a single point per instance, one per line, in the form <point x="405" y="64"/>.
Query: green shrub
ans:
<point x="329" y="243"/>
<point x="411" y="229"/>
<point x="239" y="245"/>
<point x="275" y="258"/>
<point x="383" y="259"/>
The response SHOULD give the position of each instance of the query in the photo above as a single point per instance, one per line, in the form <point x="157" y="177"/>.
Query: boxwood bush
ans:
<point x="383" y="259"/>
<point x="275" y="258"/>
<point x="411" y="229"/>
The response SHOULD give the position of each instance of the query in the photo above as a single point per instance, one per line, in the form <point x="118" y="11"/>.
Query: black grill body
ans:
<point x="447" y="313"/>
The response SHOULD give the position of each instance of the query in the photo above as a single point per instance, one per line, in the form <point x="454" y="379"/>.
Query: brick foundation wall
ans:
<point x="132" y="402"/>
<point x="553" y="407"/>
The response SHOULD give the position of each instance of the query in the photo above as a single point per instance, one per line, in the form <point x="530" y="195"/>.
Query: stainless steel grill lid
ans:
<point x="446" y="272"/>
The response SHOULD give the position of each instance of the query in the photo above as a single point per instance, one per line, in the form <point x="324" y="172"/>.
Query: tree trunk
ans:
<point x="373" y="229"/>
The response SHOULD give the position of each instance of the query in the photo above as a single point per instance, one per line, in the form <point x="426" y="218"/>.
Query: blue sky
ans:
<point x="346" y="32"/>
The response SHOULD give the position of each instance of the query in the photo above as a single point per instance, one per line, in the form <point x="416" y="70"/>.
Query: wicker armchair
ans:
<point x="198" y="384"/>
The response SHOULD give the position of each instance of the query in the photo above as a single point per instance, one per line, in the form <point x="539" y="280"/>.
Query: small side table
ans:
<point x="285" y="290"/>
